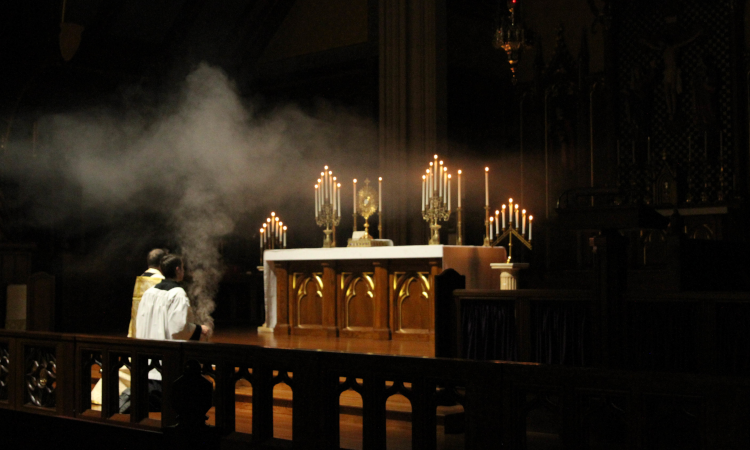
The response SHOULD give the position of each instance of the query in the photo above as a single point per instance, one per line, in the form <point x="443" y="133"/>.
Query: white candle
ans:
<point x="325" y="183"/>
<point x="486" y="186"/>
<point x="445" y="182"/>
<point x="284" y="237"/>
<point x="440" y="181"/>
<point x="276" y="229"/>
<point x="503" y="217"/>
<point x="497" y="221"/>
<point x="424" y="190"/>
<point x="316" y="201"/>
<point x="523" y="224"/>
<point x="331" y="194"/>
<point x="333" y="198"/>
<point x="510" y="211"/>
<point x="531" y="218"/>
<point x="492" y="228"/>
<point x="459" y="188"/>
<point x="516" y="214"/>
<point x="261" y="239"/>
<point x="430" y="183"/>
<point x="355" y="196"/>
<point x="338" y="200"/>
<point x="434" y="174"/>
<point x="380" y="194"/>
<point x="449" y="194"/>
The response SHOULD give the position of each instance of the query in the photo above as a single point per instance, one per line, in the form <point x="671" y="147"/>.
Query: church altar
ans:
<point x="366" y="292"/>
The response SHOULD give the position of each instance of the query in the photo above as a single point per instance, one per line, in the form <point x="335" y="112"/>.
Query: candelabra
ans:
<point x="272" y="235"/>
<point x="328" y="205"/>
<point x="512" y="228"/>
<point x="436" y="198"/>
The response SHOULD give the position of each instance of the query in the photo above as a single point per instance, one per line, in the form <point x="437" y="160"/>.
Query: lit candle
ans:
<point x="281" y="228"/>
<point x="355" y="196"/>
<point x="523" y="226"/>
<point x="440" y="181"/>
<point x="449" y="194"/>
<point x="486" y="186"/>
<point x="445" y="182"/>
<point x="284" y="236"/>
<point x="531" y="218"/>
<point x="424" y="190"/>
<point x="331" y="194"/>
<point x="510" y="212"/>
<point x="503" y="217"/>
<point x="516" y="214"/>
<point x="322" y="187"/>
<point x="333" y="198"/>
<point x="276" y="228"/>
<point x="338" y="200"/>
<point x="430" y="183"/>
<point x="434" y="174"/>
<point x="325" y="183"/>
<point x="262" y="234"/>
<point x="273" y="222"/>
<point x="316" y="201"/>
<point x="497" y="221"/>
<point x="459" y="188"/>
<point x="380" y="194"/>
<point x="492" y="228"/>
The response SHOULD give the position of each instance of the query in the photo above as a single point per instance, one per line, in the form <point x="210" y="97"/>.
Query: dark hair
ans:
<point x="169" y="265"/>
<point x="154" y="257"/>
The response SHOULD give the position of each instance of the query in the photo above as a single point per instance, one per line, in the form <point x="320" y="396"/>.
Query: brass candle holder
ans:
<point x="524" y="236"/>
<point x="328" y="205"/>
<point x="436" y="200"/>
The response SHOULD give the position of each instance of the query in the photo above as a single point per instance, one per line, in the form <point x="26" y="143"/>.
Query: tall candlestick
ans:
<point x="380" y="195"/>
<point x="459" y="188"/>
<point x="530" y="219"/>
<point x="503" y="217"/>
<point x="355" y="196"/>
<point x="516" y="214"/>
<point x="486" y="186"/>
<point x="497" y="221"/>
<point x="523" y="224"/>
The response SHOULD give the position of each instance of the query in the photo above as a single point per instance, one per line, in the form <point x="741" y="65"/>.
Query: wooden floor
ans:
<point x="250" y="336"/>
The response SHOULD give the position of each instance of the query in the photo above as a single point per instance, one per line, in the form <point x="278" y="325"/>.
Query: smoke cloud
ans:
<point x="204" y="159"/>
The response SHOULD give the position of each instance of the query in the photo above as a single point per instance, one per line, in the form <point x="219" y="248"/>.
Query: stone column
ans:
<point x="412" y="108"/>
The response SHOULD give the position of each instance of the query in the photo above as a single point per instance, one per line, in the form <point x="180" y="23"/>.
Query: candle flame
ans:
<point x="435" y="156"/>
<point x="516" y="205"/>
<point x="445" y="169"/>
<point x="449" y="176"/>
<point x="424" y="177"/>
<point x="334" y="178"/>
<point x="268" y="220"/>
<point x="355" y="180"/>
<point x="459" y="171"/>
<point x="273" y="214"/>
<point x="284" y="227"/>
<point x="510" y="200"/>
<point x="441" y="162"/>
<point x="276" y="219"/>
<point x="531" y="217"/>
<point x="503" y="206"/>
<point x="316" y="186"/>
<point x="325" y="167"/>
<point x="492" y="219"/>
<point x="497" y="211"/>
<point x="486" y="169"/>
<point x="262" y="230"/>
<point x="524" y="211"/>
<point x="430" y="163"/>
<point x="338" y="184"/>
<point x="380" y="178"/>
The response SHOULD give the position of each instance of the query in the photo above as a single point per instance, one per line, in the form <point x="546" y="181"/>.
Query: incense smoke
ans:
<point x="202" y="159"/>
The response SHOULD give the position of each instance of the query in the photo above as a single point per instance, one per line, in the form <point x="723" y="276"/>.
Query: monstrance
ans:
<point x="367" y="205"/>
